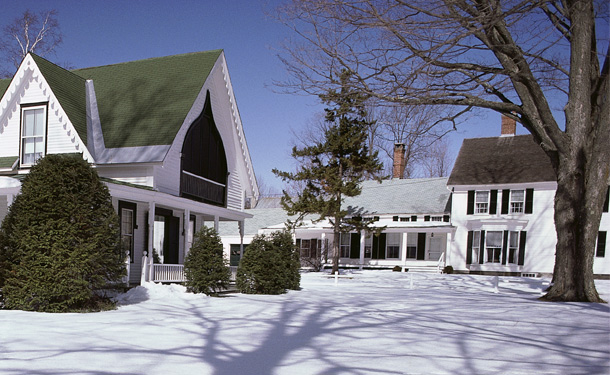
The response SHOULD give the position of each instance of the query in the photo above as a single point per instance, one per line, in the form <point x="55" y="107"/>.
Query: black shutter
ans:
<point x="354" y="246"/>
<point x="601" y="244"/>
<point x="529" y="201"/>
<point x="470" y="206"/>
<point x="493" y="202"/>
<point x="427" y="218"/>
<point x="606" y="202"/>
<point x="382" y="246"/>
<point x="394" y="218"/>
<point x="482" y="248"/>
<point x="469" y="247"/>
<point x="375" y="250"/>
<point x="421" y="246"/>
<point x="446" y="218"/>
<point x="504" y="247"/>
<point x="522" y="240"/>
<point x="505" y="201"/>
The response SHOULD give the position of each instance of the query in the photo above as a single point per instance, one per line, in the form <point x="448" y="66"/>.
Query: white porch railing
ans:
<point x="161" y="273"/>
<point x="441" y="263"/>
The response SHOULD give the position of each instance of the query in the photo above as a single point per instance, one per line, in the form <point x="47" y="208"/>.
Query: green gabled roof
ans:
<point x="4" y="83"/>
<point x="145" y="102"/>
<point x="8" y="161"/>
<point x="69" y="89"/>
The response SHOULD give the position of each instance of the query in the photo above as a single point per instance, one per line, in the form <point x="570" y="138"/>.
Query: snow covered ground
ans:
<point x="371" y="322"/>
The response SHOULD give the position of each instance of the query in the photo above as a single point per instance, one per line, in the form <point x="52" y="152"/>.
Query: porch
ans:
<point x="167" y="273"/>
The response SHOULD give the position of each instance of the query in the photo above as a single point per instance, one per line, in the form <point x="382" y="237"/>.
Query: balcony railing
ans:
<point x="202" y="188"/>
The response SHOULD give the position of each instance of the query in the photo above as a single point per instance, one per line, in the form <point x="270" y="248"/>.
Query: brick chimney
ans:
<point x="398" y="168"/>
<point x="509" y="126"/>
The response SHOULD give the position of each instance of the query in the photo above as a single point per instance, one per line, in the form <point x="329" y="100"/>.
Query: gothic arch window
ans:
<point x="204" y="163"/>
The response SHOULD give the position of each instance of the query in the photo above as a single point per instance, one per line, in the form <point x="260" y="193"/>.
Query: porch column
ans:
<point x="325" y="250"/>
<point x="403" y="251"/>
<point x="448" y="248"/>
<point x="241" y="225"/>
<point x="362" y="245"/>
<point x="216" y="221"/>
<point x="186" y="224"/>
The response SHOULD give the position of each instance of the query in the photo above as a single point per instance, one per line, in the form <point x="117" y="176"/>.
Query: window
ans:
<point x="344" y="245"/>
<point x="481" y="202"/>
<point x="436" y="218"/>
<point x="493" y="246"/>
<point x="476" y="246"/>
<point x="32" y="134"/>
<point x="127" y="214"/>
<point x="393" y="245"/>
<point x="411" y="246"/>
<point x="600" y="251"/>
<point x="517" y="201"/>
<point x="368" y="247"/>
<point x="513" y="247"/>
<point x="305" y="248"/>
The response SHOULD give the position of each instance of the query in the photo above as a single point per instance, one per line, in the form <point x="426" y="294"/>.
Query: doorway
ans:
<point x="166" y="239"/>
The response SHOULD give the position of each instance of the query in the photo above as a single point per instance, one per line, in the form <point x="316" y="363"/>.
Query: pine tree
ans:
<point x="59" y="243"/>
<point x="206" y="269"/>
<point x="334" y="167"/>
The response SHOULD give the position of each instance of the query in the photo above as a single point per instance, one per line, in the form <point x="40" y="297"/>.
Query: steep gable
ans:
<point x="501" y="160"/>
<point x="69" y="89"/>
<point x="145" y="102"/>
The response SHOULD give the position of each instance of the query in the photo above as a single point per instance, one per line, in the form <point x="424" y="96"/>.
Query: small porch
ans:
<point x="157" y="230"/>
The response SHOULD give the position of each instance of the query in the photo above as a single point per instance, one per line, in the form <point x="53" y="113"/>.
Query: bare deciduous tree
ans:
<point x="540" y="62"/>
<point x="31" y="32"/>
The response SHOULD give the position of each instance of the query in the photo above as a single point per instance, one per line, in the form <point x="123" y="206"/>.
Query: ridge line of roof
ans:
<point x="220" y="50"/>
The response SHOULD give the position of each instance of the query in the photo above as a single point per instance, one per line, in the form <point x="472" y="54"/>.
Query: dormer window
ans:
<point x="33" y="134"/>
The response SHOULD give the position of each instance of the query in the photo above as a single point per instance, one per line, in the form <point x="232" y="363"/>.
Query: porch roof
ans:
<point x="137" y="193"/>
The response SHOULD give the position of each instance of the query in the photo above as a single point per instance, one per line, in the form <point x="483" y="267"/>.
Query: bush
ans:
<point x="448" y="269"/>
<point x="270" y="266"/>
<point x="397" y="269"/>
<point x="205" y="268"/>
<point x="59" y="243"/>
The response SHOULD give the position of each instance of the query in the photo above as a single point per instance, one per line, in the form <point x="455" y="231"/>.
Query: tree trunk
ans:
<point x="336" y="252"/>
<point x="581" y="188"/>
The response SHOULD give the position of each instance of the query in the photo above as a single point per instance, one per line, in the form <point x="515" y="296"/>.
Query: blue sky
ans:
<point x="112" y="31"/>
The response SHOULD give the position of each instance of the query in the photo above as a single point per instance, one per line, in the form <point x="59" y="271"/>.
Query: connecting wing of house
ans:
<point x="163" y="133"/>
<point x="503" y="208"/>
<point x="413" y="214"/>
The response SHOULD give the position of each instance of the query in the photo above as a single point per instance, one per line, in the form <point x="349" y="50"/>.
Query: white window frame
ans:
<point x="493" y="254"/>
<point x="368" y="247"/>
<point x="517" y="206"/>
<point x="481" y="207"/>
<point x="345" y="245"/>
<point x="392" y="245"/>
<point x="23" y="136"/>
<point x="476" y="246"/>
<point x="513" y="247"/>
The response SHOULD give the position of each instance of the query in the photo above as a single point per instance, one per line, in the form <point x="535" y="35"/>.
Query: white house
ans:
<point x="164" y="134"/>
<point x="414" y="215"/>
<point x="503" y="206"/>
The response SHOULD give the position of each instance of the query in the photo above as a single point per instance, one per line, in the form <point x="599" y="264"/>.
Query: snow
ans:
<point x="368" y="322"/>
<point x="9" y="182"/>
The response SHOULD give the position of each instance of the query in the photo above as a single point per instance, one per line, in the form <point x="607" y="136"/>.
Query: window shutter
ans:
<point x="606" y="202"/>
<point x="482" y="248"/>
<point x="427" y="218"/>
<point x="505" y="201"/>
<point x="375" y="251"/>
<point x="529" y="201"/>
<point x="470" y="205"/>
<point x="493" y="202"/>
<point x="394" y="218"/>
<point x="446" y="218"/>
<point x="601" y="244"/>
<point x="421" y="246"/>
<point x="504" y="247"/>
<point x="469" y="247"/>
<point x="298" y="243"/>
<point x="354" y="246"/>
<point x="522" y="240"/>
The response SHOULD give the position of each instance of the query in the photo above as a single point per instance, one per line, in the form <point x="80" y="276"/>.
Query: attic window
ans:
<point x="33" y="134"/>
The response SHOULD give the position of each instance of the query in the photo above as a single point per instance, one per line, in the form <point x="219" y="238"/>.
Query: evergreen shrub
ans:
<point x="205" y="268"/>
<point x="59" y="243"/>
<point x="270" y="266"/>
